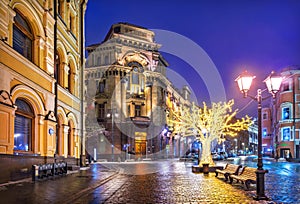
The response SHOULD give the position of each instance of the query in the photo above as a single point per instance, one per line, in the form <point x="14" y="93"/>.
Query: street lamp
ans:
<point x="273" y="83"/>
<point x="112" y="115"/>
<point x="235" y="145"/>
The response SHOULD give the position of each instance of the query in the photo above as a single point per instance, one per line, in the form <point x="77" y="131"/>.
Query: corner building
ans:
<point x="40" y="72"/>
<point x="129" y="98"/>
<point x="287" y="124"/>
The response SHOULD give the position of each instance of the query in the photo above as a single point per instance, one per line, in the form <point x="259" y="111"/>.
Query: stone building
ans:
<point x="41" y="65"/>
<point x="128" y="96"/>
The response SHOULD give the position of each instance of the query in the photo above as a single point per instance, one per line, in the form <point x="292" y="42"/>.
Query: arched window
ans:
<point x="22" y="36"/>
<point x="99" y="61"/>
<point x="56" y="68"/>
<point x="23" y="130"/>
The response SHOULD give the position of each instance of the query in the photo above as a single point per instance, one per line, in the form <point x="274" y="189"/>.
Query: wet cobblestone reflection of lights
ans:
<point x="154" y="182"/>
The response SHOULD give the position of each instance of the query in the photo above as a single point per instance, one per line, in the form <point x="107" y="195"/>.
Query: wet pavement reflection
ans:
<point x="154" y="182"/>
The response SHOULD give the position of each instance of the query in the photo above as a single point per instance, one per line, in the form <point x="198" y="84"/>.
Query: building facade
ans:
<point x="281" y="119"/>
<point x="288" y="114"/>
<point x="268" y="132"/>
<point x="41" y="48"/>
<point x="128" y="96"/>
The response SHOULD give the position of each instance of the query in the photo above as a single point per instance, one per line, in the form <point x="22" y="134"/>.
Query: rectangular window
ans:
<point x="22" y="44"/>
<point x="102" y="86"/>
<point x="286" y="134"/>
<point x="137" y="110"/>
<point x="265" y="116"/>
<point x="285" y="86"/>
<point x="128" y="110"/>
<point x="23" y="131"/>
<point x="285" y="113"/>
<point x="135" y="78"/>
<point x="101" y="111"/>
<point x="264" y="132"/>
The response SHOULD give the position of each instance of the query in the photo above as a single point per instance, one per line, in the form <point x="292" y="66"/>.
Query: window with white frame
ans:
<point x="286" y="134"/>
<point x="286" y="113"/>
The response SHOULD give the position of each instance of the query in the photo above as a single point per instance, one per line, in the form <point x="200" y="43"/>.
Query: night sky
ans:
<point x="258" y="36"/>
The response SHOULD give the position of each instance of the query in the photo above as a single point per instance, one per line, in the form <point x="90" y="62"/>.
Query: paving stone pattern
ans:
<point x="171" y="182"/>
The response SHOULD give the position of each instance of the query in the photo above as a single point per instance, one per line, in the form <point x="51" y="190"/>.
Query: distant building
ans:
<point x="128" y="96"/>
<point x="253" y="142"/>
<point x="267" y="132"/>
<point x="34" y="125"/>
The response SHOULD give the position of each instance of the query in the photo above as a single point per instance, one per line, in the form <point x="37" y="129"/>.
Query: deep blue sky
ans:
<point x="257" y="35"/>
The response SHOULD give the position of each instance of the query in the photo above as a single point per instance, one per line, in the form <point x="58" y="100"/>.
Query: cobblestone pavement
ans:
<point x="150" y="182"/>
<point x="174" y="184"/>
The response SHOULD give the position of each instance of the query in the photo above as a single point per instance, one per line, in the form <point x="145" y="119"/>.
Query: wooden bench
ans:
<point x="230" y="169"/>
<point x="247" y="176"/>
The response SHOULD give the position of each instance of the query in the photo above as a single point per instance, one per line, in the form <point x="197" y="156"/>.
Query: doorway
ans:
<point x="285" y="153"/>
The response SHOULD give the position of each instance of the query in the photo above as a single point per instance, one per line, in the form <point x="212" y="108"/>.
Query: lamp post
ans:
<point x="273" y="83"/>
<point x="113" y="114"/>
<point x="235" y="145"/>
<point x="243" y="144"/>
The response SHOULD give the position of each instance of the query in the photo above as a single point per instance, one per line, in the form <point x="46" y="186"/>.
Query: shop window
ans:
<point x="22" y="37"/>
<point x="23" y="128"/>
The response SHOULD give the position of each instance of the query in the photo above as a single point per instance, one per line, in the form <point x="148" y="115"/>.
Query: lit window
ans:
<point x="23" y="126"/>
<point x="264" y="132"/>
<point x="286" y="134"/>
<point x="285" y="113"/>
<point x="22" y="36"/>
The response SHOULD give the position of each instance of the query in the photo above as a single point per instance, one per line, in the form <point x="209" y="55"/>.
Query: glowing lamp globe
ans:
<point x="273" y="83"/>
<point x="244" y="82"/>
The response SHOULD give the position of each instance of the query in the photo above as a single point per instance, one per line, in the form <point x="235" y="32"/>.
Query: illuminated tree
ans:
<point x="208" y="124"/>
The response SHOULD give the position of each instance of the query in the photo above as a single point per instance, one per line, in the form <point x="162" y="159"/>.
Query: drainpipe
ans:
<point x="56" y="76"/>
<point x="82" y="57"/>
<point x="294" y="114"/>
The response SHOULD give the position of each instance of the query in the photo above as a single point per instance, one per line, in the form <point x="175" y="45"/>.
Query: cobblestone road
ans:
<point x="150" y="182"/>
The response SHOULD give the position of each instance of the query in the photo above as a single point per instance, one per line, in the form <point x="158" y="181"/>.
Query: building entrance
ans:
<point x="285" y="153"/>
<point x="140" y="143"/>
<point x="140" y="147"/>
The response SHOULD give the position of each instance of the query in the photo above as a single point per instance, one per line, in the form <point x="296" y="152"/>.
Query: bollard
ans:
<point x="34" y="172"/>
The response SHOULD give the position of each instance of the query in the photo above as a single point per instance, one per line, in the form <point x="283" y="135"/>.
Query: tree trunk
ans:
<point x="206" y="157"/>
